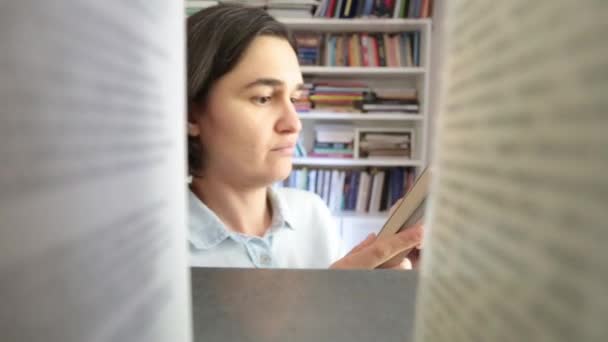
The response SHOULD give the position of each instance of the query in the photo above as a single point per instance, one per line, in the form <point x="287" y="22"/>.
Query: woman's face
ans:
<point x="249" y="126"/>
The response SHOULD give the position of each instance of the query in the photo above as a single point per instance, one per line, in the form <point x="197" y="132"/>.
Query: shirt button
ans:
<point x="265" y="259"/>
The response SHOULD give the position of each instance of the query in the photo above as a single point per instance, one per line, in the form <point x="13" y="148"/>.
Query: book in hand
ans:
<point x="411" y="208"/>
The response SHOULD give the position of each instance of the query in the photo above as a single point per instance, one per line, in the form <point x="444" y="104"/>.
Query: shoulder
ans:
<point x="307" y="209"/>
<point x="313" y="222"/>
<point x="299" y="200"/>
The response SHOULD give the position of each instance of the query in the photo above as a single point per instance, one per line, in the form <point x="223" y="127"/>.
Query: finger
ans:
<point x="368" y="241"/>
<point x="414" y="257"/>
<point x="405" y="264"/>
<point x="421" y="224"/>
<point x="395" y="261"/>
<point x="399" y="258"/>
<point x="385" y="249"/>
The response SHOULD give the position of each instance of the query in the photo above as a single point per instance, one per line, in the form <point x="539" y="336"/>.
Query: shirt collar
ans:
<point x="206" y="230"/>
<point x="281" y="215"/>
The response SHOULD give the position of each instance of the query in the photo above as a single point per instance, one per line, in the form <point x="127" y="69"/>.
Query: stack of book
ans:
<point x="363" y="191"/>
<point x="333" y="141"/>
<point x="282" y="8"/>
<point x="390" y="100"/>
<point x="355" y="97"/>
<point x="197" y="5"/>
<point x="384" y="145"/>
<point x="291" y="8"/>
<point x="309" y="48"/>
<point x="337" y="96"/>
<point x="372" y="49"/>
<point x="303" y="103"/>
<point x="374" y="8"/>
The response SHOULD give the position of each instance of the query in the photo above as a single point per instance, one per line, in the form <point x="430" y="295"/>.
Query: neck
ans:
<point x="243" y="210"/>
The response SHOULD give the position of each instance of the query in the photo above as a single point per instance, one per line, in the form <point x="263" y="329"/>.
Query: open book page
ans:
<point x="517" y="225"/>
<point x="92" y="195"/>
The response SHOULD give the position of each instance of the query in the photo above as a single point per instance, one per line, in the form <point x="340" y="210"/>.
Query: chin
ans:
<point x="281" y="171"/>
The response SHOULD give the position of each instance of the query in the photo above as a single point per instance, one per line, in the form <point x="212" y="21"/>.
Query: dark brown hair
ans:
<point x="217" y="38"/>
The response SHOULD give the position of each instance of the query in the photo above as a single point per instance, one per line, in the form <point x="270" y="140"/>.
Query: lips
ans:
<point x="284" y="147"/>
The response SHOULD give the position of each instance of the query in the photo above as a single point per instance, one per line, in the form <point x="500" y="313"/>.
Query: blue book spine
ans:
<point x="416" y="48"/>
<point x="348" y="178"/>
<point x="338" y="9"/>
<point x="392" y="188"/>
<point x="410" y="10"/>
<point x="349" y="193"/>
<point x="401" y="185"/>
<point x="352" y="200"/>
<point x="369" y="6"/>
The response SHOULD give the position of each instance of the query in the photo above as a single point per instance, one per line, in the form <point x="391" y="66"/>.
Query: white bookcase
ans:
<point x="354" y="225"/>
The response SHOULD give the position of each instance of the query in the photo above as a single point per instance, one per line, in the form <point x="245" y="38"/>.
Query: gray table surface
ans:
<point x="302" y="305"/>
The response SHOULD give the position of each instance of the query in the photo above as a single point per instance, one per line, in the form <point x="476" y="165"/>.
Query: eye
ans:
<point x="261" y="100"/>
<point x="294" y="99"/>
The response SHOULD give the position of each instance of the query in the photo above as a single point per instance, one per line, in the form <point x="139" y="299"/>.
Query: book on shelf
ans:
<point x="412" y="207"/>
<point x="377" y="187"/>
<point x="300" y="151"/>
<point x="364" y="191"/>
<point x="282" y="8"/>
<point x="337" y="9"/>
<point x="372" y="102"/>
<point x="374" y="9"/>
<point x="292" y="8"/>
<point x="333" y="141"/>
<point x="303" y="103"/>
<point x="197" y="5"/>
<point x="390" y="107"/>
<point x="356" y="97"/>
<point x="366" y="49"/>
<point x="385" y="145"/>
<point x="309" y="47"/>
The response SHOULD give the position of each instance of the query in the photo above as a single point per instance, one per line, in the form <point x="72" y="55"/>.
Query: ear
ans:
<point x="193" y="121"/>
<point x="193" y="129"/>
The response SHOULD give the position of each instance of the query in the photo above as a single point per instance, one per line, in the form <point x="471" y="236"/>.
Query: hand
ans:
<point x="373" y="253"/>
<point x="409" y="259"/>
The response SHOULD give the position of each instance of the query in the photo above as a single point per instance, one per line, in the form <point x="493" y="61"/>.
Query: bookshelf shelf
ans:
<point x="360" y="116"/>
<point x="356" y="25"/>
<point x="361" y="71"/>
<point x="385" y="162"/>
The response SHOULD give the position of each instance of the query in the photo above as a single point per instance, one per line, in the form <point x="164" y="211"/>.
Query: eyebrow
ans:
<point x="271" y="82"/>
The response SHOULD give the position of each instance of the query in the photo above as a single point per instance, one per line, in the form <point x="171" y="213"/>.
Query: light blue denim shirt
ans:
<point x="302" y="235"/>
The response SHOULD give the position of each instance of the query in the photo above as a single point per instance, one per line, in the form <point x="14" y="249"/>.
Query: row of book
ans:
<point x="374" y="8"/>
<point x="329" y="8"/>
<point x="363" y="191"/>
<point x="359" y="49"/>
<point x="351" y="96"/>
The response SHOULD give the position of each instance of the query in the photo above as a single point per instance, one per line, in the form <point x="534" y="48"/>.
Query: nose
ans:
<point x="289" y="121"/>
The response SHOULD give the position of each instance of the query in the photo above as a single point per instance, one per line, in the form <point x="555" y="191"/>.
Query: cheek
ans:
<point x="238" y="131"/>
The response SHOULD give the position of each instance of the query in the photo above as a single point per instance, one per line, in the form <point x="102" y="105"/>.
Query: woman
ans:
<point x="243" y="77"/>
